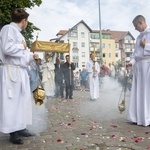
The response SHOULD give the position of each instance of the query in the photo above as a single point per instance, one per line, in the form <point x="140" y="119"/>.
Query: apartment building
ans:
<point x="116" y="45"/>
<point x="124" y="44"/>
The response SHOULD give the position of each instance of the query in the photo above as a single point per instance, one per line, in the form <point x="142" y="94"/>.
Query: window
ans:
<point x="82" y="44"/>
<point x="109" y="46"/>
<point x="83" y="54"/>
<point x="128" y="46"/>
<point x="94" y="36"/>
<point x="83" y="64"/>
<point x="75" y="56"/>
<point x="94" y="44"/>
<point x="76" y="64"/>
<point x="117" y="46"/>
<point x="116" y="54"/>
<point x="103" y="54"/>
<point x="109" y="55"/>
<point x="61" y="56"/>
<point x="82" y="35"/>
<point x="127" y="55"/>
<point x="106" y="36"/>
<point x="75" y="44"/>
<point x="103" y="45"/>
<point x="73" y="32"/>
<point x="128" y="37"/>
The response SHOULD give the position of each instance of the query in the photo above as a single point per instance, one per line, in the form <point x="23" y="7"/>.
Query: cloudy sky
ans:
<point x="55" y="15"/>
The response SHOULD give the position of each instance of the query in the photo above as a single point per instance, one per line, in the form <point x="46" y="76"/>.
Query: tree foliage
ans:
<point x="6" y="7"/>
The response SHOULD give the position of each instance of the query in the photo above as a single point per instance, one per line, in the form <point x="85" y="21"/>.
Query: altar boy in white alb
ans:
<point x="139" y="105"/>
<point x="15" y="93"/>
<point x="93" y="69"/>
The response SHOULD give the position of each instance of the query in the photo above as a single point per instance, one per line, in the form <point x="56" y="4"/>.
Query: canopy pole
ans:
<point x="70" y="66"/>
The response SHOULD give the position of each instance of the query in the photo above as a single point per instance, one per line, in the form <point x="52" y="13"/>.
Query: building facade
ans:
<point x="116" y="45"/>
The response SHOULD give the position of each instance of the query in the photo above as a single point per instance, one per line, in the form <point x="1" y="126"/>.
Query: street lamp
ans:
<point x="100" y="32"/>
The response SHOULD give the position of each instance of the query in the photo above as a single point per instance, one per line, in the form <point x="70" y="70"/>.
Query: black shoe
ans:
<point x="25" y="133"/>
<point x="94" y="99"/>
<point x="66" y="97"/>
<point x="70" y="97"/>
<point x="15" y="139"/>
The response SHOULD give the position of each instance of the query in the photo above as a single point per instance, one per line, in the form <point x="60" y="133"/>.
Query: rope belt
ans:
<point x="16" y="78"/>
<point x="143" y="59"/>
<point x="139" y="61"/>
<point x="10" y="65"/>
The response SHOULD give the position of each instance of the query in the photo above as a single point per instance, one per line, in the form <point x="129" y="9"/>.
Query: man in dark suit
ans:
<point x="68" y="68"/>
<point x="59" y="87"/>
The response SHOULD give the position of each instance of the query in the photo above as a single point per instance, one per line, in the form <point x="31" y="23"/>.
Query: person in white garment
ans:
<point x="139" y="105"/>
<point x="93" y="69"/>
<point x="15" y="94"/>
<point x="48" y="74"/>
<point x="111" y="70"/>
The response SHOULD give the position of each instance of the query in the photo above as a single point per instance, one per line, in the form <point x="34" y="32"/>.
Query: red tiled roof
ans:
<point x="62" y="32"/>
<point x="117" y="35"/>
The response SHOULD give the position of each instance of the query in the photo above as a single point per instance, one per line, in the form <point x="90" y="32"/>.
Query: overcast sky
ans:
<point x="55" y="15"/>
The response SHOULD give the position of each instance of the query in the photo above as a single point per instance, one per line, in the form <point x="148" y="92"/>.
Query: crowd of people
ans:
<point x="22" y="71"/>
<point x="55" y="76"/>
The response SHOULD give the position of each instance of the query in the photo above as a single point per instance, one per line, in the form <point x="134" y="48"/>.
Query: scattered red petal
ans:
<point x="138" y="139"/>
<point x="59" y="140"/>
<point x="148" y="147"/>
<point x="112" y="136"/>
<point x="83" y="133"/>
<point x="91" y="127"/>
<point x="114" y="126"/>
<point x="69" y="124"/>
<point x="147" y="132"/>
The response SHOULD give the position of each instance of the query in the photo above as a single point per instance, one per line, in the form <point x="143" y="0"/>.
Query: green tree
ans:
<point x="6" y="7"/>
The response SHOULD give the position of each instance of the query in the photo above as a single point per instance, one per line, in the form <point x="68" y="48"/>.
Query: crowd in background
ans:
<point x="53" y="75"/>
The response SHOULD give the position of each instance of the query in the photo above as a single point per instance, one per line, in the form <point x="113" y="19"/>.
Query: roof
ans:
<point x="117" y="35"/>
<point x="64" y="32"/>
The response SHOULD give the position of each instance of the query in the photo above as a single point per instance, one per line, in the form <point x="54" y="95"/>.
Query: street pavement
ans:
<point x="82" y="124"/>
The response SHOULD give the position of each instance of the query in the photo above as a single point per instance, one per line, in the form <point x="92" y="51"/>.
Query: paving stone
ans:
<point x="80" y="124"/>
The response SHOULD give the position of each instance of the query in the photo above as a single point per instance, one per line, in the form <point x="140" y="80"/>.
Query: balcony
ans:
<point x="127" y="59"/>
<point x="92" y="49"/>
<point x="129" y="41"/>
<point x="128" y="50"/>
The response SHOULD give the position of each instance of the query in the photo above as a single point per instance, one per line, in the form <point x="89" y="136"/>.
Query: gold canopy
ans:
<point x="50" y="47"/>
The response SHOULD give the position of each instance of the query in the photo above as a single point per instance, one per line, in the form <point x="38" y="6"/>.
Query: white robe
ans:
<point x="139" y="105"/>
<point x="48" y="77"/>
<point x="15" y="95"/>
<point x="93" y="81"/>
<point x="112" y="70"/>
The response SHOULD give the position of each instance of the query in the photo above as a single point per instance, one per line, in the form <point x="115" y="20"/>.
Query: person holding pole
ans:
<point x="68" y="68"/>
<point x="93" y="69"/>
